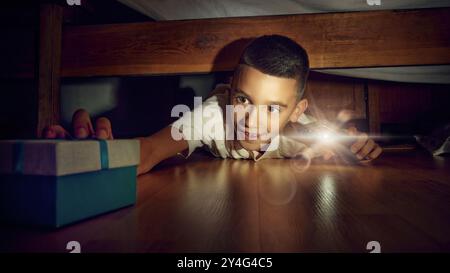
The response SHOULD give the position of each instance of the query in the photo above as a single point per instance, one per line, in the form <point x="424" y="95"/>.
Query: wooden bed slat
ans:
<point x="333" y="40"/>
<point x="49" y="66"/>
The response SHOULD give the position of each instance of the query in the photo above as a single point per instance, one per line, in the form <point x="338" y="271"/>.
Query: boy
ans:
<point x="266" y="91"/>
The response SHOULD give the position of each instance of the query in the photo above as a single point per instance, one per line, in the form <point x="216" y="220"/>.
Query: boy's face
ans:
<point x="267" y="97"/>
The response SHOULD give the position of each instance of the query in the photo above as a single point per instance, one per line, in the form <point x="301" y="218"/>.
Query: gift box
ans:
<point x="53" y="183"/>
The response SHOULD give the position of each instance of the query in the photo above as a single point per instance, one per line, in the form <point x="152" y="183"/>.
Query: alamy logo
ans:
<point x="74" y="247"/>
<point x="374" y="247"/>
<point x="235" y="122"/>
<point x="374" y="2"/>
<point x="73" y="2"/>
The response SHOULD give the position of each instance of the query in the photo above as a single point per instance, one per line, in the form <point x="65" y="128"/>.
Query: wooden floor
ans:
<point x="402" y="201"/>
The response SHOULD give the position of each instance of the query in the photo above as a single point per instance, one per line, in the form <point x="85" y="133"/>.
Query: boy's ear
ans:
<point x="300" y="108"/>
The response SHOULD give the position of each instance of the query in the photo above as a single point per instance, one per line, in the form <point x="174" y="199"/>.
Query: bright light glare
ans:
<point x="325" y="137"/>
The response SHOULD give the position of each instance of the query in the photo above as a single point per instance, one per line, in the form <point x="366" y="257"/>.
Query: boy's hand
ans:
<point x="81" y="127"/>
<point x="364" y="148"/>
<point x="153" y="149"/>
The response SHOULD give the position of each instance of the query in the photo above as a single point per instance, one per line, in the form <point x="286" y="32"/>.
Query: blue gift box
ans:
<point x="53" y="183"/>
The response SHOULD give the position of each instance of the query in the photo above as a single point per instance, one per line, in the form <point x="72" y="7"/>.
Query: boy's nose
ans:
<point x="258" y="117"/>
<point x="252" y="120"/>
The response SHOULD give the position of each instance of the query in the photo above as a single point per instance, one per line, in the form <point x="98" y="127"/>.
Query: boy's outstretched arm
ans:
<point x="153" y="149"/>
<point x="158" y="147"/>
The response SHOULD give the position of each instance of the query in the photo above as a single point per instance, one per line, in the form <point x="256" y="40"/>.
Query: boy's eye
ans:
<point x="274" y="108"/>
<point x="242" y="99"/>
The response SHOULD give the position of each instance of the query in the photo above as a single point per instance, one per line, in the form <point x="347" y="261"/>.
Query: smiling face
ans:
<point x="266" y="97"/>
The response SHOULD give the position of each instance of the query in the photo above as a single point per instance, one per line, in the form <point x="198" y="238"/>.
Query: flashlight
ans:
<point x="323" y="134"/>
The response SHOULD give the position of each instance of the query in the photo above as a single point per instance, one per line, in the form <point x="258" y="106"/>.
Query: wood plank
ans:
<point x="213" y="205"/>
<point x="373" y="105"/>
<point x="333" y="40"/>
<point x="328" y="95"/>
<point x="49" y="66"/>
<point x="411" y="102"/>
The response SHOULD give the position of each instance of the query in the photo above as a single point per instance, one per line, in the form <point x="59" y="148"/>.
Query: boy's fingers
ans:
<point x="328" y="155"/>
<point x="360" y="142"/>
<point x="55" y="131"/>
<point x="375" y="153"/>
<point x="81" y="123"/>
<point x="49" y="132"/>
<point x="352" y="131"/>
<point x="103" y="128"/>
<point x="345" y="115"/>
<point x="366" y="149"/>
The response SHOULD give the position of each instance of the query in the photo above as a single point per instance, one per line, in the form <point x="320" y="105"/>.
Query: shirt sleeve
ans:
<point x="290" y="148"/>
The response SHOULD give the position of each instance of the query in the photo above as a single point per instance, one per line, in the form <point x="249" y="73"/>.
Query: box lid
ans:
<point x="64" y="157"/>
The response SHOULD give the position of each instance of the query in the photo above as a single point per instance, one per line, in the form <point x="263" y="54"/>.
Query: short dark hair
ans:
<point x="278" y="56"/>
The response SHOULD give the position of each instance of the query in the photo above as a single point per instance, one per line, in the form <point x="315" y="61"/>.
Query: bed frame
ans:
<point x="333" y="40"/>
